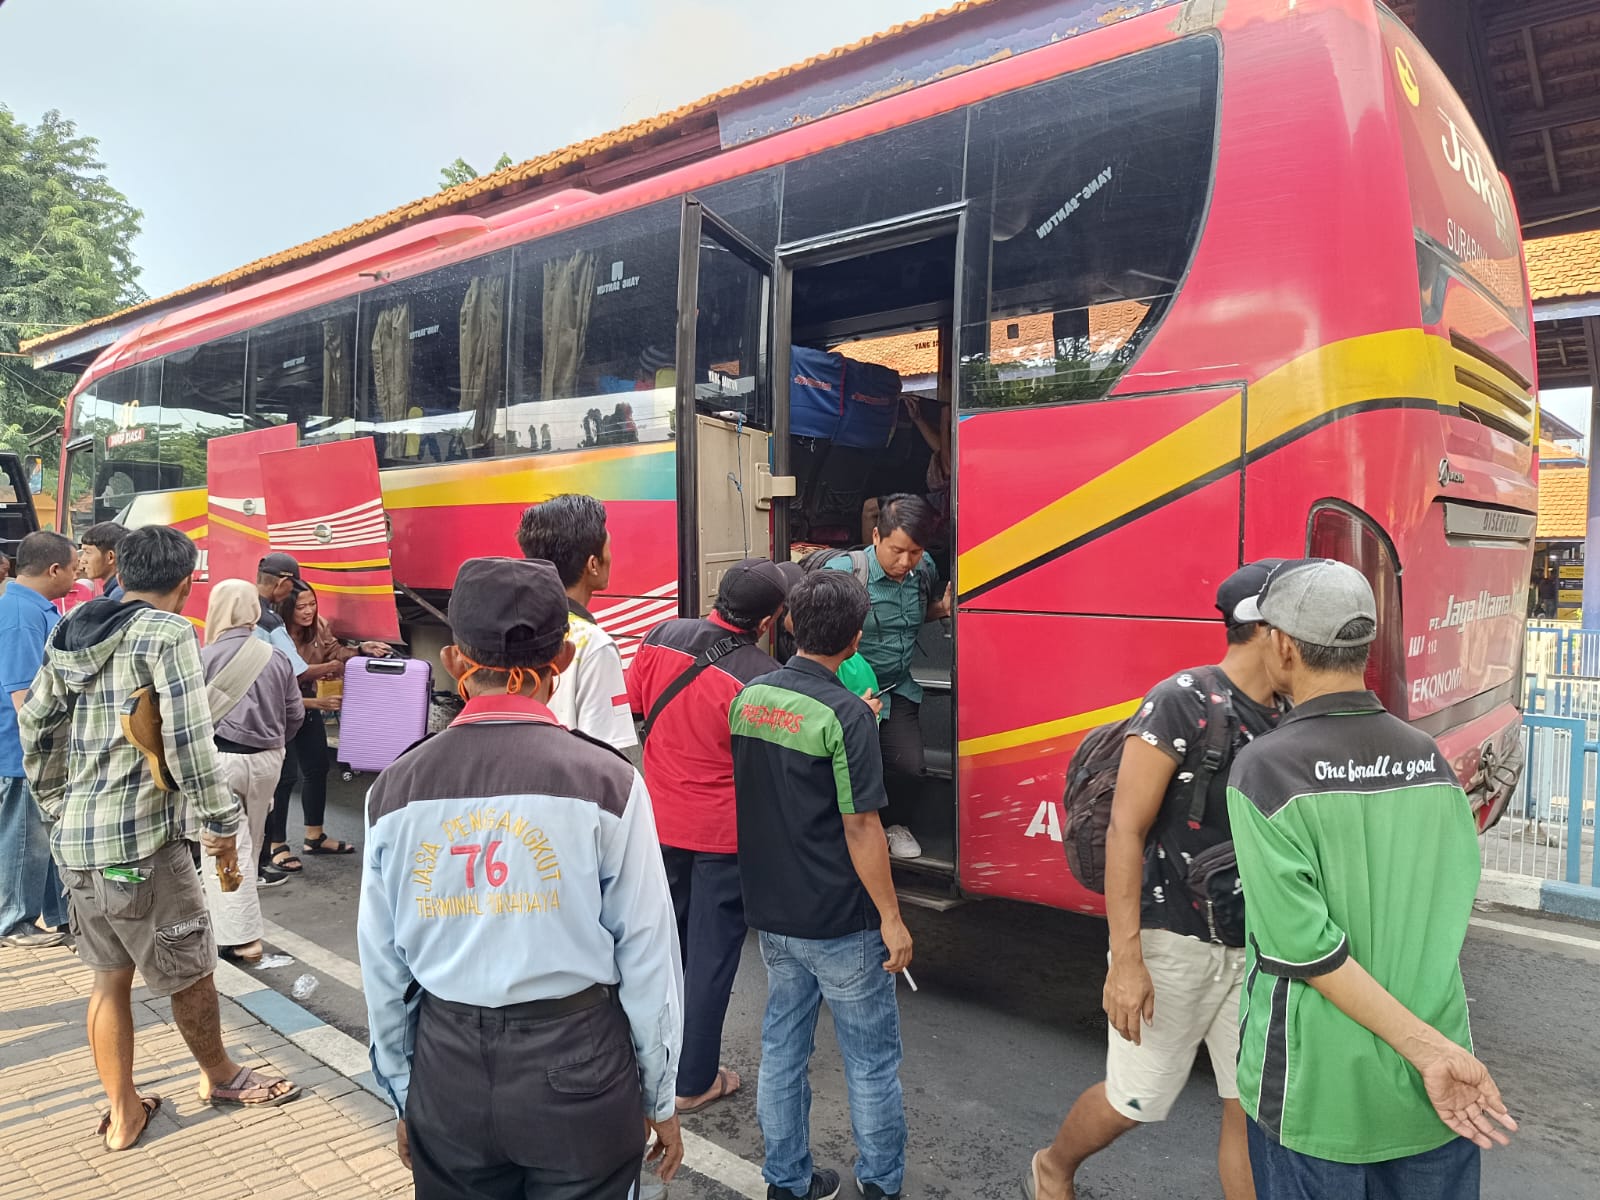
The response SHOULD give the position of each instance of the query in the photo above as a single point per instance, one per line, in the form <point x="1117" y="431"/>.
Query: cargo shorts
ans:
<point x="160" y="926"/>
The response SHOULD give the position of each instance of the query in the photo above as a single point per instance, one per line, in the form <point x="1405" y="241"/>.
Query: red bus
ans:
<point x="1194" y="286"/>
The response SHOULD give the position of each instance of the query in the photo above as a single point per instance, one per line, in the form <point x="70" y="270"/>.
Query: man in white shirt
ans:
<point x="591" y="696"/>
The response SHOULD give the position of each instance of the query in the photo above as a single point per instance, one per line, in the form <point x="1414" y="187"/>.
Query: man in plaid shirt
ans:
<point x="119" y="840"/>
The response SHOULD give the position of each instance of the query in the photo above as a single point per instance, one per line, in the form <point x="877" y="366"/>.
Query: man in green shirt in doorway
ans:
<point x="903" y="586"/>
<point x="1359" y="860"/>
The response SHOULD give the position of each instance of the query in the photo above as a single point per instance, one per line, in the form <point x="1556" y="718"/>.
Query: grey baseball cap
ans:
<point x="1312" y="600"/>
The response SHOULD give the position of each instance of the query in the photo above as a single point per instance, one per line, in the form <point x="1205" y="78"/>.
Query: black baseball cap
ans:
<point x="280" y="564"/>
<point x="510" y="611"/>
<point x="752" y="590"/>
<point x="1236" y="597"/>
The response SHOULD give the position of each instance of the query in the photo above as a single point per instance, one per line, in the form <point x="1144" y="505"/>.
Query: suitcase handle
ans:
<point x="386" y="666"/>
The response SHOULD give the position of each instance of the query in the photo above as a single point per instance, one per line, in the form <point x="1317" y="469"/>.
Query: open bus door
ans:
<point x="18" y="518"/>
<point x="723" y="418"/>
<point x="325" y="507"/>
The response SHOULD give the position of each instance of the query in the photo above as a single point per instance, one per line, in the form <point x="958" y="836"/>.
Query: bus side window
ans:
<point x="302" y="371"/>
<point x="432" y="380"/>
<point x="593" y="334"/>
<point x="1097" y="183"/>
<point x="202" y="397"/>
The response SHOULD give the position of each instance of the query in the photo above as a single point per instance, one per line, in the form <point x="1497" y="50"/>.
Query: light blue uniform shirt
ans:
<point x="280" y="638"/>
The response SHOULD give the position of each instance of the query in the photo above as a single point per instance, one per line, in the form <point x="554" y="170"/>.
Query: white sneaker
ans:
<point x="901" y="843"/>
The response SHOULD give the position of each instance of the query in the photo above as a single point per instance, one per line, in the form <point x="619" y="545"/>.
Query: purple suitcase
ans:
<point x="385" y="710"/>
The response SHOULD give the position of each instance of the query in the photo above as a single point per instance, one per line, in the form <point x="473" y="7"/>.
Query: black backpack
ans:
<point x="1092" y="781"/>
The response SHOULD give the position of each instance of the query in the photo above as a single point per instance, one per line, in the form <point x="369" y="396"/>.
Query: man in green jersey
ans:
<point x="1359" y="859"/>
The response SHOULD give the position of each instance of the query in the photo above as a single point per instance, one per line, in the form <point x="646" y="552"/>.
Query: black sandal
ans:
<point x="150" y="1104"/>
<point x="284" y="860"/>
<point x="319" y="845"/>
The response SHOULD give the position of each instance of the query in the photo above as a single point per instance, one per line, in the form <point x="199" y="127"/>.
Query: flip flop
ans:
<point x="1030" y="1181"/>
<point x="727" y="1084"/>
<point x="151" y="1106"/>
<point x="232" y="1094"/>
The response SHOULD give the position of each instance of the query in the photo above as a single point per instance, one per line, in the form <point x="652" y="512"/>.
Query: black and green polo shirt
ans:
<point x="1354" y="840"/>
<point x="805" y="752"/>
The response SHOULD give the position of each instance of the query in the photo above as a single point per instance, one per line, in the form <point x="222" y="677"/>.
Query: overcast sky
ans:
<point x="245" y="128"/>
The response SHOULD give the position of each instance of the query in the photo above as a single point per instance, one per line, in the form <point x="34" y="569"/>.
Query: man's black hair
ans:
<point x="829" y="608"/>
<point x="42" y="550"/>
<point x="1344" y="659"/>
<point x="565" y="530"/>
<point x="106" y="535"/>
<point x="910" y="513"/>
<point x="155" y="559"/>
<point x="1243" y="635"/>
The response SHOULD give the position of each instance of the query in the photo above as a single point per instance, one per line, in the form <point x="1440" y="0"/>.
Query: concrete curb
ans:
<point x="1539" y="895"/>
<point x="300" y="1026"/>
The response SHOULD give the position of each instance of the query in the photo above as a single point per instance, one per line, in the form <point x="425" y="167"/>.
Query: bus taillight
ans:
<point x="1342" y="533"/>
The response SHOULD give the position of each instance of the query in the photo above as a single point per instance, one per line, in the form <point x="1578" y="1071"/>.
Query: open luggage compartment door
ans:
<point x="326" y="507"/>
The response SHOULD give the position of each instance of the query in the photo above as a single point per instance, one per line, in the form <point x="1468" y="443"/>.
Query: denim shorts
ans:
<point x="160" y="926"/>
<point x="1449" y="1173"/>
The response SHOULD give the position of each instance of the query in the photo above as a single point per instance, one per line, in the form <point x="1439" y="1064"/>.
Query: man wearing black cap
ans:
<point x="1176" y="962"/>
<point x="276" y="576"/>
<point x="685" y="676"/>
<point x="518" y="951"/>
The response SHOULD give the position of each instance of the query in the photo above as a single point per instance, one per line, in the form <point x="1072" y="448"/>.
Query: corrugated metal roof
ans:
<point x="514" y="178"/>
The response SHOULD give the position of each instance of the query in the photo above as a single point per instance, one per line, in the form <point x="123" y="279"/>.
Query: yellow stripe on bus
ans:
<point x="234" y="525"/>
<point x="358" y="565"/>
<point x="349" y="590"/>
<point x="1399" y="363"/>
<point x="1046" y="731"/>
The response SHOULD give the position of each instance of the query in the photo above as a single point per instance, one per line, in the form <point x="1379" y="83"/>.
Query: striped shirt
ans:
<point x="92" y="784"/>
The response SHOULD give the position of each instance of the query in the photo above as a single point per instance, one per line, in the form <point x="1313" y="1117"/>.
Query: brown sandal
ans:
<point x="251" y="1089"/>
<point x="727" y="1084"/>
<point x="151" y="1106"/>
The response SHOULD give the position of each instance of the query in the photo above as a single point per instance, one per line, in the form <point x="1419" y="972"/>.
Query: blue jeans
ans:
<point x="29" y="885"/>
<point x="848" y="973"/>
<point x="1448" y="1173"/>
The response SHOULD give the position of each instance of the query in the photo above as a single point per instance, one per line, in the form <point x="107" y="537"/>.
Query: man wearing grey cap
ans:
<point x="1176" y="960"/>
<point x="1359" y="858"/>
<point x="518" y="951"/>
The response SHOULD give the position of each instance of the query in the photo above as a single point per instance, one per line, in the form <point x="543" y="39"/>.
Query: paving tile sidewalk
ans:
<point x="335" y="1140"/>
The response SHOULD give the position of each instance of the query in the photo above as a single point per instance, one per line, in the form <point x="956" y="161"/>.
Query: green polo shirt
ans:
<point x="1354" y="840"/>
<point x="899" y="611"/>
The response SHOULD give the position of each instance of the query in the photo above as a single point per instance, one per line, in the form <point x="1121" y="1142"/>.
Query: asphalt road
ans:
<point x="1007" y="1030"/>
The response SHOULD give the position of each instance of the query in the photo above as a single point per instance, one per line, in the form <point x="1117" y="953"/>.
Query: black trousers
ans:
<point x="900" y="738"/>
<point x="305" y="761"/>
<point x="506" y="1104"/>
<point x="711" y="929"/>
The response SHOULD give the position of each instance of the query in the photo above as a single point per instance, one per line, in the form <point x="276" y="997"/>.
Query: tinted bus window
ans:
<point x="202" y="397"/>
<point x="432" y="349"/>
<point x="302" y="372"/>
<point x="888" y="175"/>
<point x="1097" y="183"/>
<point x="594" y="334"/>
<point x="749" y="204"/>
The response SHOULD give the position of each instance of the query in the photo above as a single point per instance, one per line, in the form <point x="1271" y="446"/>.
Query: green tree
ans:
<point x="66" y="256"/>
<point x="461" y="170"/>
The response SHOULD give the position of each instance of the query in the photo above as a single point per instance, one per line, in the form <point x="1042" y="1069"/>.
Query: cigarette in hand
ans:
<point x="909" y="980"/>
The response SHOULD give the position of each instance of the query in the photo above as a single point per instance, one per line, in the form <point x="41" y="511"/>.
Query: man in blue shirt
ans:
<point x="29" y="885"/>
<point x="903" y="586"/>
<point x="276" y="576"/>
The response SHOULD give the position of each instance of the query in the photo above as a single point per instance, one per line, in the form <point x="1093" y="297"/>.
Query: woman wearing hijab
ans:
<point x="256" y="707"/>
